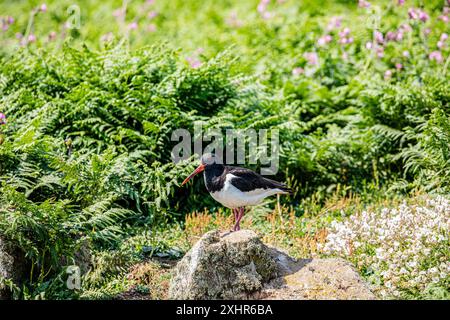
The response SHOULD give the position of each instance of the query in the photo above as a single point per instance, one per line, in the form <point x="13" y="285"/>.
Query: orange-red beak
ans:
<point x="199" y="169"/>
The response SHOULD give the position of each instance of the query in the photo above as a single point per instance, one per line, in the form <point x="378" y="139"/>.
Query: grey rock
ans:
<point x="13" y="266"/>
<point x="223" y="266"/>
<point x="239" y="266"/>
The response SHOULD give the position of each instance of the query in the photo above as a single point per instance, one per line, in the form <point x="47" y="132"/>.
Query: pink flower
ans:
<point x="413" y="14"/>
<point x="344" y="32"/>
<point x="107" y="37"/>
<point x="423" y="16"/>
<point x="406" y="54"/>
<point x="324" y="40"/>
<point x="31" y="38"/>
<point x="19" y="35"/>
<point x="151" y="27"/>
<point x="440" y="44"/>
<point x="9" y="20"/>
<point x="2" y="118"/>
<point x="150" y="2"/>
<point x="436" y="55"/>
<point x="133" y="26"/>
<point x="152" y="14"/>
<point x="405" y="27"/>
<point x="391" y="36"/>
<point x="334" y="23"/>
<point x="311" y="57"/>
<point x="427" y="31"/>
<point x="444" y="18"/>
<point x="398" y="66"/>
<point x="118" y="13"/>
<point x="233" y="20"/>
<point x="399" y="36"/>
<point x="401" y="2"/>
<point x="363" y="4"/>
<point x="266" y="15"/>
<point x="380" y="52"/>
<point x="387" y="74"/>
<point x="52" y="36"/>
<point x="43" y="8"/>
<point x="378" y="36"/>
<point x="262" y="6"/>
<point x="444" y="37"/>
<point x="194" y="62"/>
<point x="417" y="14"/>
<point x="297" y="71"/>
<point x="369" y="45"/>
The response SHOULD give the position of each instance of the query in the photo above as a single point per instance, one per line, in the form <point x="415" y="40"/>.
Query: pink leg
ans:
<point x="238" y="220"/>
<point x="235" y="213"/>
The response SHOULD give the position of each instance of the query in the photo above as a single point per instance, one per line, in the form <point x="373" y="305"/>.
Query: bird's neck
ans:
<point x="213" y="177"/>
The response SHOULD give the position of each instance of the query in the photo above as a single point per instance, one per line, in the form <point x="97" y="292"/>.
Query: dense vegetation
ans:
<point x="359" y="94"/>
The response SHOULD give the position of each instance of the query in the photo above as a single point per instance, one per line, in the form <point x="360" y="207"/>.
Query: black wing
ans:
<point x="247" y="180"/>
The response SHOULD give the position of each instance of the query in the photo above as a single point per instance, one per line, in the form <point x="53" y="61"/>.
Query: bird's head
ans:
<point x="208" y="159"/>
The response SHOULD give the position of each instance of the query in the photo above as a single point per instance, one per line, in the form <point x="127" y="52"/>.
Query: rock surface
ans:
<point x="223" y="266"/>
<point x="239" y="266"/>
<point x="13" y="266"/>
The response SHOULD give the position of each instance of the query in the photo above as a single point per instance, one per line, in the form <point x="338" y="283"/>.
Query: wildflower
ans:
<point x="31" y="38"/>
<point x="401" y="2"/>
<point x="311" y="57"/>
<point x="107" y="37"/>
<point x="413" y="14"/>
<point x="233" y="20"/>
<point x="444" y="37"/>
<point x="324" y="40"/>
<point x="262" y="6"/>
<point x="398" y="66"/>
<point x="297" y="71"/>
<point x="52" y="36"/>
<point x="405" y="54"/>
<point x="378" y="36"/>
<point x="266" y="15"/>
<point x="43" y="8"/>
<point x="380" y="52"/>
<point x="133" y="26"/>
<point x="334" y="23"/>
<point x="118" y="13"/>
<point x="19" y="35"/>
<point x="363" y="4"/>
<point x="423" y="16"/>
<point x="436" y="55"/>
<point x="10" y="20"/>
<point x="152" y="14"/>
<point x="2" y="118"/>
<point x="391" y="36"/>
<point x="444" y="18"/>
<point x="387" y="76"/>
<point x="417" y="14"/>
<point x="427" y="31"/>
<point x="151" y="27"/>
<point x="194" y="62"/>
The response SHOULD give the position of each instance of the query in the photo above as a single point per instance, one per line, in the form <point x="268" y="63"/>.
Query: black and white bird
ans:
<point x="235" y="187"/>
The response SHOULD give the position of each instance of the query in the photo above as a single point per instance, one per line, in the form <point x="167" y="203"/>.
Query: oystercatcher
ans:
<point x="235" y="187"/>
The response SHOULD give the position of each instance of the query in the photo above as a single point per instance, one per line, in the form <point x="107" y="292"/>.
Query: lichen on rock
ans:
<point x="239" y="265"/>
<point x="223" y="266"/>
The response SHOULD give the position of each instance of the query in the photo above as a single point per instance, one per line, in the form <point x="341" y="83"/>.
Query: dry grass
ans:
<point x="153" y="275"/>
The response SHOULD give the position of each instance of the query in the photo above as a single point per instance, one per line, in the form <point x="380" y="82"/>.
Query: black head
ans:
<point x="208" y="162"/>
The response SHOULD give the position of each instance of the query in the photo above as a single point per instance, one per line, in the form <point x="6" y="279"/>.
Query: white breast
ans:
<point x="232" y="197"/>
